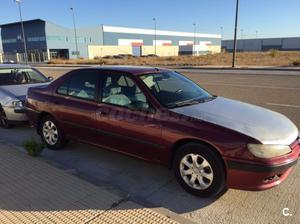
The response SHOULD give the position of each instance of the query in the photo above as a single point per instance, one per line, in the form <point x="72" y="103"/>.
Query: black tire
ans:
<point x="218" y="180"/>
<point x="61" y="141"/>
<point x="4" y="122"/>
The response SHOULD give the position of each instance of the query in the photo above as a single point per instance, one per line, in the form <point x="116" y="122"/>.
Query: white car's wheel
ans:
<point x="4" y="123"/>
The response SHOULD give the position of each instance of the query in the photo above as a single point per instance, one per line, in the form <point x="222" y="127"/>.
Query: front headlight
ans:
<point x="17" y="104"/>
<point x="268" y="151"/>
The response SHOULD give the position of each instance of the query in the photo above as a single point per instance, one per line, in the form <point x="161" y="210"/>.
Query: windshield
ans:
<point x="174" y="90"/>
<point x="22" y="76"/>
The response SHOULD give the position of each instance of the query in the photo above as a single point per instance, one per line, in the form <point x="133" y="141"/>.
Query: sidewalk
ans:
<point x="33" y="191"/>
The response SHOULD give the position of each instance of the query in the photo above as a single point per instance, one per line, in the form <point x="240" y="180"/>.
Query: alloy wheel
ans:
<point x="50" y="133"/>
<point x="196" y="171"/>
<point x="3" y="119"/>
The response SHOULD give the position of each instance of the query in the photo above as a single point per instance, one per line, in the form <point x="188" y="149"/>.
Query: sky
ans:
<point x="267" y="18"/>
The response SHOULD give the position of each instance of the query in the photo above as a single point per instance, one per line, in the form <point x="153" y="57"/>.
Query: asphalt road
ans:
<point x="154" y="185"/>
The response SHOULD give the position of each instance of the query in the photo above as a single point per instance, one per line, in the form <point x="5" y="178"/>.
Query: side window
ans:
<point x="63" y="89"/>
<point x="83" y="85"/>
<point x="121" y="90"/>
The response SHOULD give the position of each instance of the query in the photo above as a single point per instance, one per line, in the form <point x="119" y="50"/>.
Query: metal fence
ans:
<point x="33" y="57"/>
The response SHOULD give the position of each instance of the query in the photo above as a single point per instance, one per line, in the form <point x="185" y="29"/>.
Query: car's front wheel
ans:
<point x="199" y="170"/>
<point x="51" y="133"/>
<point x="4" y="123"/>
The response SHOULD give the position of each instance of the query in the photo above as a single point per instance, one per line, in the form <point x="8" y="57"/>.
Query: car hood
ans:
<point x="264" y="125"/>
<point x="19" y="91"/>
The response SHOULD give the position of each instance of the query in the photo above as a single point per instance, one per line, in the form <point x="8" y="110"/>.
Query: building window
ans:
<point x="90" y="40"/>
<point x="35" y="39"/>
<point x="59" y="38"/>
<point x="9" y="41"/>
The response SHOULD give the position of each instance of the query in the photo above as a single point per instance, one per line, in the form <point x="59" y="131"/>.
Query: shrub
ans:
<point x="296" y="63"/>
<point x="33" y="147"/>
<point x="273" y="53"/>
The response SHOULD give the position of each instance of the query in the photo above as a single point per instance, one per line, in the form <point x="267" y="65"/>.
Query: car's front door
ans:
<point x="126" y="119"/>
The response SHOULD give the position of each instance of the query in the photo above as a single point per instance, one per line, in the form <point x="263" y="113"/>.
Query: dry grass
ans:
<point x="270" y="58"/>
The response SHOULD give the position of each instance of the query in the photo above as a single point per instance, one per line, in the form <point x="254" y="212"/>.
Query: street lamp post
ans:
<point x="23" y="32"/>
<point x="235" y="33"/>
<point x="194" y="46"/>
<point x="222" y="32"/>
<point x="75" y="32"/>
<point x="155" y="38"/>
<point x="256" y="34"/>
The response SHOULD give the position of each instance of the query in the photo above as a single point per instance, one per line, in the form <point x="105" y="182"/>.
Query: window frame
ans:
<point x="129" y="76"/>
<point x="69" y="79"/>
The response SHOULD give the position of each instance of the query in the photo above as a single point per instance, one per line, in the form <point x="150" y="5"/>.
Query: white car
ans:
<point x="14" y="83"/>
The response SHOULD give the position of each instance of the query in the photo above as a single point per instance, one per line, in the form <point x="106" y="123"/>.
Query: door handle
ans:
<point x="151" y="126"/>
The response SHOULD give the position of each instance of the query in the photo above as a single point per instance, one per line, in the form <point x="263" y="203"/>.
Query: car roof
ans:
<point x="14" y="66"/>
<point x="134" y="70"/>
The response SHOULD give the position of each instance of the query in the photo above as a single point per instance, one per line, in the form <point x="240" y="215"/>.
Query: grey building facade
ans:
<point x="264" y="44"/>
<point x="58" y="42"/>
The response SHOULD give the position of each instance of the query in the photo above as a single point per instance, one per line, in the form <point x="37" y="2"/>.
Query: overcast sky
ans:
<point x="270" y="18"/>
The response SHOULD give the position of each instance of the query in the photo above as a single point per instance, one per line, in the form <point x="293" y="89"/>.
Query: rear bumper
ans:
<point x="255" y="177"/>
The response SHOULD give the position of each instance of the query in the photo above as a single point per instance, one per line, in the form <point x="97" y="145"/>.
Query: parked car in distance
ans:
<point x="14" y="82"/>
<point x="161" y="116"/>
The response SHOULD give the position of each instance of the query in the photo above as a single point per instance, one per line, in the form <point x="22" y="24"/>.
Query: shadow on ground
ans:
<point x="146" y="183"/>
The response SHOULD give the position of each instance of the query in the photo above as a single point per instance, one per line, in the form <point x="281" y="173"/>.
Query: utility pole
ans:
<point x="256" y="34"/>
<point x="23" y="32"/>
<point x="222" y="32"/>
<point x="195" y="30"/>
<point x="235" y="33"/>
<point x="155" y="39"/>
<point x="75" y="33"/>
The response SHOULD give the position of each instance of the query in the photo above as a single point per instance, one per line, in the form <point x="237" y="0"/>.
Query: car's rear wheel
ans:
<point x="4" y="123"/>
<point x="199" y="170"/>
<point x="51" y="133"/>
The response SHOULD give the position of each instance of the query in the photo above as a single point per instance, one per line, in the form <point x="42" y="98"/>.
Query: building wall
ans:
<point x="113" y="39"/>
<point x="11" y="36"/>
<point x="62" y="38"/>
<point x="101" y="51"/>
<point x="286" y="44"/>
<point x="162" y="51"/>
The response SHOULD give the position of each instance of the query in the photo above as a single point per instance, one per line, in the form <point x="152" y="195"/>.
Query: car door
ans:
<point x="75" y="103"/>
<point x="126" y="119"/>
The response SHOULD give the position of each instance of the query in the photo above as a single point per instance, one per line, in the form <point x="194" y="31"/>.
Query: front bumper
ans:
<point x="15" y="115"/>
<point x="254" y="177"/>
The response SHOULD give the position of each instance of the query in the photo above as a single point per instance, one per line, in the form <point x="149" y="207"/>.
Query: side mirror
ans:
<point x="50" y="78"/>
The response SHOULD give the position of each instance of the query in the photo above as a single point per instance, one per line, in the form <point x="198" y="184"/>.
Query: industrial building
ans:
<point x="264" y="44"/>
<point x="46" y="40"/>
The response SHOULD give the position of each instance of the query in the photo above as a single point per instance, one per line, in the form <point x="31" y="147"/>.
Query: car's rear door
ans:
<point x="75" y="103"/>
<point x="125" y="120"/>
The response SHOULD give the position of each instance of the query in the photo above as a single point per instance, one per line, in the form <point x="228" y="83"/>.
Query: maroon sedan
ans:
<point x="161" y="116"/>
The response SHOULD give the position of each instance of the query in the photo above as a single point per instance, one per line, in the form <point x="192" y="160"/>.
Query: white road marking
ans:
<point x="283" y="105"/>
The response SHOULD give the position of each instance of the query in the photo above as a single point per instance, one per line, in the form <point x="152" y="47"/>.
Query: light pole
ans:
<point x="194" y="46"/>
<point x="256" y="34"/>
<point x="195" y="30"/>
<point x="154" y="21"/>
<point x="222" y="32"/>
<point x="75" y="32"/>
<point x="242" y="33"/>
<point x="235" y="33"/>
<point x="23" y="32"/>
